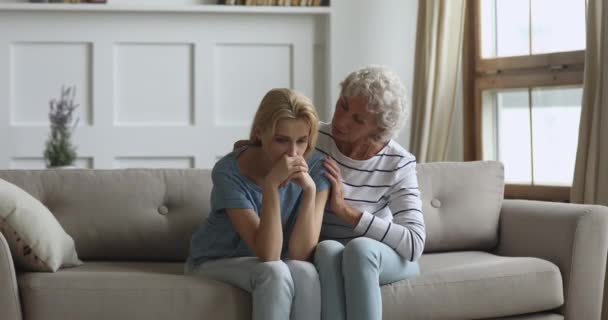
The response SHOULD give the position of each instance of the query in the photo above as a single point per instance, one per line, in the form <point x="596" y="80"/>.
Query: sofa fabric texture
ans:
<point x="127" y="291"/>
<point x="461" y="203"/>
<point x="159" y="209"/>
<point x="469" y="285"/>
<point x="571" y="236"/>
<point x="123" y="215"/>
<point x="486" y="258"/>
<point x="475" y="285"/>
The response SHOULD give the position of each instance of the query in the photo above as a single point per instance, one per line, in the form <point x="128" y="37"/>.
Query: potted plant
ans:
<point x="59" y="151"/>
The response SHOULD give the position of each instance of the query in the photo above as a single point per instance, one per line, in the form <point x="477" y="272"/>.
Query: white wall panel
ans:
<point x="157" y="88"/>
<point x="243" y="74"/>
<point x="38" y="163"/>
<point x="27" y="163"/>
<point x="39" y="70"/>
<point x="153" y="84"/>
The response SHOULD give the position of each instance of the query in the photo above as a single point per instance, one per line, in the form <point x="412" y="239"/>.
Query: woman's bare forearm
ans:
<point x="305" y="235"/>
<point x="269" y="236"/>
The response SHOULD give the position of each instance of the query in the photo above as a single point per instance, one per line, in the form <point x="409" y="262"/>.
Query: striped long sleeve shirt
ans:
<point x="385" y="189"/>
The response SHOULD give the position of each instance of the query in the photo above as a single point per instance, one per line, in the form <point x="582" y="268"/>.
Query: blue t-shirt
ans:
<point x="216" y="238"/>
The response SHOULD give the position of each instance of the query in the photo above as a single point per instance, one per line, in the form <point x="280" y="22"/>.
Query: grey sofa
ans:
<point x="485" y="257"/>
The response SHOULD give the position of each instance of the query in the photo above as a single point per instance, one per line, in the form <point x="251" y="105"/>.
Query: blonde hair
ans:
<point x="282" y="103"/>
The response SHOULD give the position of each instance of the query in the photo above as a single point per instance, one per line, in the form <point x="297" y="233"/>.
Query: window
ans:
<point x="525" y="65"/>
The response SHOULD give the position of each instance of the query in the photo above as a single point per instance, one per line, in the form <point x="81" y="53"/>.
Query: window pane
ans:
<point x="488" y="28"/>
<point x="558" y="25"/>
<point x="524" y="27"/>
<point x="555" y="120"/>
<point x="489" y="125"/>
<point x="505" y="28"/>
<point x="511" y="133"/>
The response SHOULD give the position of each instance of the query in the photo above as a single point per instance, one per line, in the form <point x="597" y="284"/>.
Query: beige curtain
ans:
<point x="437" y="74"/>
<point x="591" y="170"/>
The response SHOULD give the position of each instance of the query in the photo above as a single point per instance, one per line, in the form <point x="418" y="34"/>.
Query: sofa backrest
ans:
<point x="150" y="214"/>
<point x="461" y="204"/>
<point x="132" y="214"/>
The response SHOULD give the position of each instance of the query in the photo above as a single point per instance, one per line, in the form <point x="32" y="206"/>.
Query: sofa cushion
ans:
<point x="126" y="214"/>
<point x="474" y="285"/>
<point x="458" y="285"/>
<point x="461" y="203"/>
<point x="127" y="291"/>
<point x="535" y="316"/>
<point x="37" y="241"/>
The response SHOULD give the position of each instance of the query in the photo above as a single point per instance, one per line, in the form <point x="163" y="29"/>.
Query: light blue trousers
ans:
<point x="280" y="290"/>
<point x="351" y="277"/>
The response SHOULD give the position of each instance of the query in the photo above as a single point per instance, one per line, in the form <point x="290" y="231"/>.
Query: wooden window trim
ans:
<point x="551" y="61"/>
<point x="552" y="69"/>
<point x="523" y="80"/>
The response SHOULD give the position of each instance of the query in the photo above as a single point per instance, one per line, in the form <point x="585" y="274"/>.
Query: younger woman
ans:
<point x="266" y="212"/>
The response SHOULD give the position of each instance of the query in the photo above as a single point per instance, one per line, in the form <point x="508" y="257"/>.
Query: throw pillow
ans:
<point x="35" y="237"/>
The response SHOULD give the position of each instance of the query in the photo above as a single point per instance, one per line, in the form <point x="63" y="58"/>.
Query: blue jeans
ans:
<point x="351" y="277"/>
<point x="279" y="290"/>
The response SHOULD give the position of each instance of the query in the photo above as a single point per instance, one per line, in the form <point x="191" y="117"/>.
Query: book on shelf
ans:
<point x="68" y="1"/>
<point x="293" y="3"/>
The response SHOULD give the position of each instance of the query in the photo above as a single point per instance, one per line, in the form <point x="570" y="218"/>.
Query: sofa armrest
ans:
<point x="10" y="307"/>
<point x="573" y="236"/>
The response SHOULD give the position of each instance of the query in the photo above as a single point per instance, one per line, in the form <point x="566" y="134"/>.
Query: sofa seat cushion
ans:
<point x="128" y="291"/>
<point x="458" y="285"/>
<point x="536" y="316"/>
<point x="474" y="285"/>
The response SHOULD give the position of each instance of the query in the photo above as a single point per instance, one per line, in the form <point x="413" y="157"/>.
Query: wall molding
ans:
<point x="157" y="85"/>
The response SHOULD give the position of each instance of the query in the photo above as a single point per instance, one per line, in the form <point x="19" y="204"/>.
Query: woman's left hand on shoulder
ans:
<point x="332" y="172"/>
<point x="337" y="204"/>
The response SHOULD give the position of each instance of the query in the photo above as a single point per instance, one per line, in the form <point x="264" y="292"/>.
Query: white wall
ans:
<point x="373" y="32"/>
<point x="157" y="87"/>
<point x="361" y="32"/>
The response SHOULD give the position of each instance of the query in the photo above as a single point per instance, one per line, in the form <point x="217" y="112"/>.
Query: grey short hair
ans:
<point x="385" y="96"/>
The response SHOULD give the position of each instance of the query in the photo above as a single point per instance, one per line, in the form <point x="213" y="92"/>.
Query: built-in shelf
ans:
<point x="202" y="8"/>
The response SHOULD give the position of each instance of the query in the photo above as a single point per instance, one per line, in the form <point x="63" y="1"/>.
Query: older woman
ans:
<point x="373" y="228"/>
